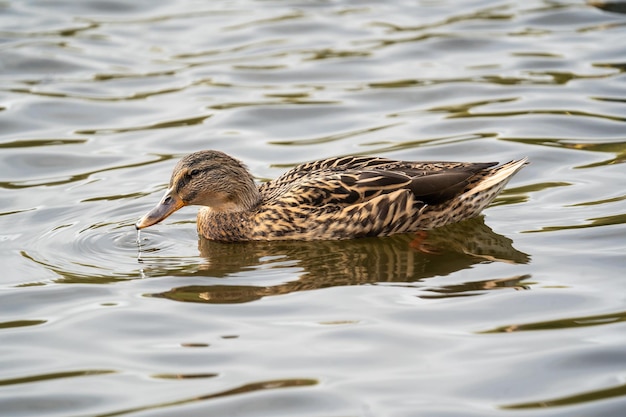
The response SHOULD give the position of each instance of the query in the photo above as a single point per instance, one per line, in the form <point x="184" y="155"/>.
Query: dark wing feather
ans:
<point x="431" y="187"/>
<point x="440" y="186"/>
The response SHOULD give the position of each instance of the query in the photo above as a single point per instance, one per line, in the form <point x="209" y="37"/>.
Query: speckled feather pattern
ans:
<point x="351" y="197"/>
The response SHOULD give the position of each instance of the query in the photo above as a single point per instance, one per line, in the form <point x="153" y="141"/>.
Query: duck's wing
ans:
<point x="340" y="187"/>
<point x="350" y="164"/>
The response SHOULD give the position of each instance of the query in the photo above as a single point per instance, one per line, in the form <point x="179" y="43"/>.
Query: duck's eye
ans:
<point x="194" y="172"/>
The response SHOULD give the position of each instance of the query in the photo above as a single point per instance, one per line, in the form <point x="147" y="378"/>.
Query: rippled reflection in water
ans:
<point x="519" y="311"/>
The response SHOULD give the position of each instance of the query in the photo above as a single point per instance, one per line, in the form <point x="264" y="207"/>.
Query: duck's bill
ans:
<point x="168" y="205"/>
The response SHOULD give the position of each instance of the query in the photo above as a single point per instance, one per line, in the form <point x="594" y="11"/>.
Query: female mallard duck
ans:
<point x="336" y="198"/>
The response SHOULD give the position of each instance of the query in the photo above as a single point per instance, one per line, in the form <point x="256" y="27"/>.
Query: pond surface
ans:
<point x="520" y="312"/>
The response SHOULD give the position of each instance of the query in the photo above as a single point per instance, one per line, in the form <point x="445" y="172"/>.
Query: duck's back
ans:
<point x="347" y="197"/>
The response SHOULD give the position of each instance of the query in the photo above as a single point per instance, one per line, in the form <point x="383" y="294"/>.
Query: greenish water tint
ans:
<point x="20" y="323"/>
<point x="569" y="322"/>
<point x="598" y="395"/>
<point x="520" y="311"/>
<point x="60" y="375"/>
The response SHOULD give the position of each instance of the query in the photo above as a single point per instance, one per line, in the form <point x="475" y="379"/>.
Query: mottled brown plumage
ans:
<point x="336" y="198"/>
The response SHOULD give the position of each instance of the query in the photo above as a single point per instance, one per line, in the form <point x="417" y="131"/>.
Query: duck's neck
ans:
<point x="223" y="226"/>
<point x="249" y="198"/>
<point x="243" y="198"/>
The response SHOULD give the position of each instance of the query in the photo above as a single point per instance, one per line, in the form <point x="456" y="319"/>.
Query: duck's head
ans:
<point x="206" y="178"/>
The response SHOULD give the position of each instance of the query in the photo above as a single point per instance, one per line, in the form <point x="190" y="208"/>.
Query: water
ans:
<point x="520" y="312"/>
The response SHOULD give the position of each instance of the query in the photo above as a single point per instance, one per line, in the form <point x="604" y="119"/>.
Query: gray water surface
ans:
<point x="517" y="313"/>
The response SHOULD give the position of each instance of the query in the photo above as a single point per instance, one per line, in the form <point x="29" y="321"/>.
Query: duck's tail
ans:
<point x="484" y="192"/>
<point x="498" y="177"/>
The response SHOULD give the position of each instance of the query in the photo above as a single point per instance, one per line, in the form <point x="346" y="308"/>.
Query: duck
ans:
<point x="337" y="198"/>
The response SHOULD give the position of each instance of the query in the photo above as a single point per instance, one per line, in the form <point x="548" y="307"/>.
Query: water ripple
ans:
<point x="241" y="390"/>
<point x="574" y="399"/>
<point x="53" y="376"/>
<point x="565" y="323"/>
<point x="94" y="247"/>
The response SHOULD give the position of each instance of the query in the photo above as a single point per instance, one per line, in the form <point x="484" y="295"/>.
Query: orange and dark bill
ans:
<point x="168" y="205"/>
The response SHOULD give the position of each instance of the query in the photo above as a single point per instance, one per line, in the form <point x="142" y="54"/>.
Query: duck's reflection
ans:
<point x="402" y="258"/>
